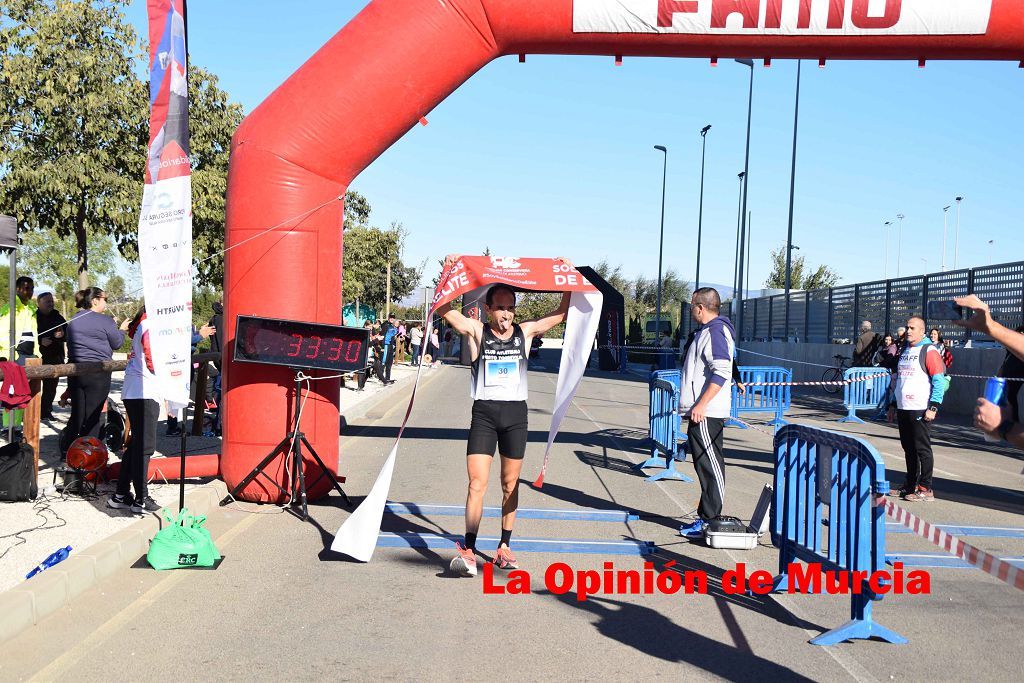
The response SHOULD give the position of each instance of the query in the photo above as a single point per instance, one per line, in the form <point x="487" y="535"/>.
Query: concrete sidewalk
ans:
<point x="283" y="606"/>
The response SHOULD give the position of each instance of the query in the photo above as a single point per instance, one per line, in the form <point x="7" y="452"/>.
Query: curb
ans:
<point x="34" y="599"/>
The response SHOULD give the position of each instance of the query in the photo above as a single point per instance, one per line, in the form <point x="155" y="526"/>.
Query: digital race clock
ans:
<point x="298" y="344"/>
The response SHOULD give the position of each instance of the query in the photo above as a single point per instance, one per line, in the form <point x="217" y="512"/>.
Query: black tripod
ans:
<point x="291" y="444"/>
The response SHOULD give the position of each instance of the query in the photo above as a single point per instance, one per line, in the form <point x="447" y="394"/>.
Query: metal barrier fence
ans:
<point x="665" y="429"/>
<point x="834" y="315"/>
<point x="761" y="398"/>
<point x="864" y="394"/>
<point x="814" y="469"/>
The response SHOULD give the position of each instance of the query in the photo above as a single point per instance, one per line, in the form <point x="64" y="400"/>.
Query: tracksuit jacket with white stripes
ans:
<point x="708" y="359"/>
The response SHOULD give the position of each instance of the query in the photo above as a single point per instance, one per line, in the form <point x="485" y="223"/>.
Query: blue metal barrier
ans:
<point x="814" y="469"/>
<point x="864" y="394"/>
<point x="665" y="430"/>
<point x="759" y="398"/>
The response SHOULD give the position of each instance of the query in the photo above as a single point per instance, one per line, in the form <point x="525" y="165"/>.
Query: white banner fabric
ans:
<point x="784" y="17"/>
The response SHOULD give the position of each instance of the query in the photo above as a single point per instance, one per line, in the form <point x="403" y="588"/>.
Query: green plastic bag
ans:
<point x="184" y="542"/>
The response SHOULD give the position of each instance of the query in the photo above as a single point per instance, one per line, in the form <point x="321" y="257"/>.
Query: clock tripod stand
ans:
<point x="291" y="445"/>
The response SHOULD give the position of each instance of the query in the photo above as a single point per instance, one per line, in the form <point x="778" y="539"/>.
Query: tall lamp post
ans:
<point x="945" y="216"/>
<point x="792" y="188"/>
<point x="888" y="225"/>
<point x="661" y="240"/>
<point x="700" y="211"/>
<point x="746" y="184"/>
<point x="899" y="245"/>
<point x="956" y="239"/>
<point x="739" y="245"/>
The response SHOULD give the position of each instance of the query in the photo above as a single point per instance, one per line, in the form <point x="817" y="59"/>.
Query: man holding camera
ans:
<point x="920" y="384"/>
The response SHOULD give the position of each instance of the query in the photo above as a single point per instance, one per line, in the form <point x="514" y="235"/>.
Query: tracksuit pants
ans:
<point x="705" y="443"/>
<point x="917" y="448"/>
<point x="143" y="416"/>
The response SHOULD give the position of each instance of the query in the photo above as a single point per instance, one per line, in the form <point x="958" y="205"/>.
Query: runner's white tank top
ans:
<point x="499" y="372"/>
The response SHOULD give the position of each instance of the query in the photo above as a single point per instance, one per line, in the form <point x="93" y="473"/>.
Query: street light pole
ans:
<point x="945" y="221"/>
<point x="887" y="225"/>
<point x="899" y="245"/>
<point x="750" y="232"/>
<point x="956" y="239"/>
<point x="792" y="188"/>
<point x="739" y="245"/>
<point x="661" y="240"/>
<point x="700" y="211"/>
<point x="991" y="254"/>
<point x="746" y="185"/>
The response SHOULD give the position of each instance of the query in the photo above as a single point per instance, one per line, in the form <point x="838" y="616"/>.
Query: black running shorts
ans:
<point x="501" y="424"/>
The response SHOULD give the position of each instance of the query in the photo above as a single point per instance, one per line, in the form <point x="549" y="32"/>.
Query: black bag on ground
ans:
<point x="728" y="525"/>
<point x="16" y="472"/>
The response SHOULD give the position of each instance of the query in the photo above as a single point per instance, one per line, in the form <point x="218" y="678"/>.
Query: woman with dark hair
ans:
<point x="888" y="353"/>
<point x="92" y="337"/>
<point x="141" y="403"/>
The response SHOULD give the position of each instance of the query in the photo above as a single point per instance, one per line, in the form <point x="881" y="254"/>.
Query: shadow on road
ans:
<point x="652" y="633"/>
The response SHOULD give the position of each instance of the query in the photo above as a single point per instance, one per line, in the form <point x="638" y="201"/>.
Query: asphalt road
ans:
<point x="282" y="606"/>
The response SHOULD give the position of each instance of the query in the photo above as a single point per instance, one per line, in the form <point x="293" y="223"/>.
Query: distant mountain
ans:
<point x="726" y="291"/>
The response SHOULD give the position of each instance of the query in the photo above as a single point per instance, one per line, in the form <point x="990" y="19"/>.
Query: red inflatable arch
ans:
<point x="294" y="156"/>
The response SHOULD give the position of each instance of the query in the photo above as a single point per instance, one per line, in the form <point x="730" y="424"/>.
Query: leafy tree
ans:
<point x="74" y="129"/>
<point x="357" y="211"/>
<point x="532" y="305"/>
<point x="822" y="277"/>
<point x="51" y="259"/>
<point x="213" y="119"/>
<point x="368" y="250"/>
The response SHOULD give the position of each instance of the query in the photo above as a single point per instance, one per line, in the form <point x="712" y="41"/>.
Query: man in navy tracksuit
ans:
<point x="705" y="398"/>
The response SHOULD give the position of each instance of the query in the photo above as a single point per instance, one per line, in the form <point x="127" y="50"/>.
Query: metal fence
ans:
<point x="834" y="315"/>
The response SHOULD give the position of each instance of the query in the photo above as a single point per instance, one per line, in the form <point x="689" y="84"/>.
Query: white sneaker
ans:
<point x="464" y="563"/>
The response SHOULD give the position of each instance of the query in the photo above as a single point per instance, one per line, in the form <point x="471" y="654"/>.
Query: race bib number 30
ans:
<point x="501" y="373"/>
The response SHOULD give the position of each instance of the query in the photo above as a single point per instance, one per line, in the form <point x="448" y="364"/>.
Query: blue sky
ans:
<point x="555" y="156"/>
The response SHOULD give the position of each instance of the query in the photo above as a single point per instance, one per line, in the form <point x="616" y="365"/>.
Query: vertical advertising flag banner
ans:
<point x="165" y="225"/>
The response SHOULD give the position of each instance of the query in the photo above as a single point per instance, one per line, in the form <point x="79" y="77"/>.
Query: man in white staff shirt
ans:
<point x="919" y="386"/>
<point x="705" y="398"/>
<point x="499" y="351"/>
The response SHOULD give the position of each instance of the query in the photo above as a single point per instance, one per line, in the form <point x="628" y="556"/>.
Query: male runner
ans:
<point x="499" y="352"/>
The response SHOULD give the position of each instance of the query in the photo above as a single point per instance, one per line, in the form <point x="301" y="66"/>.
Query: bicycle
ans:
<point x="836" y="374"/>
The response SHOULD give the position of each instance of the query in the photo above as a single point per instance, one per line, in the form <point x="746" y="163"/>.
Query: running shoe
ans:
<point x="901" y="492"/>
<point x="694" y="529"/>
<point x="504" y="559"/>
<point x="146" y="504"/>
<point x="120" y="502"/>
<point x="921" y="495"/>
<point x="464" y="563"/>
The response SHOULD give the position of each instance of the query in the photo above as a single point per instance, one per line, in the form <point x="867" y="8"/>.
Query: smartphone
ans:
<point x="945" y="310"/>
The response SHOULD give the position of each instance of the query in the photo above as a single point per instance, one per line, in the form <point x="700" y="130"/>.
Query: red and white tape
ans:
<point x="989" y="564"/>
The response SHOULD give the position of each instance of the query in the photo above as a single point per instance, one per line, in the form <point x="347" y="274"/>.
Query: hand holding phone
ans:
<point x="945" y="310"/>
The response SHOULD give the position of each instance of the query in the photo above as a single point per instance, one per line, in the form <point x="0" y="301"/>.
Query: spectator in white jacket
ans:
<point x="705" y="399"/>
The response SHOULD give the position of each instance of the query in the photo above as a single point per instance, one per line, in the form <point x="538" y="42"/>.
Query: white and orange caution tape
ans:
<point x="987" y="563"/>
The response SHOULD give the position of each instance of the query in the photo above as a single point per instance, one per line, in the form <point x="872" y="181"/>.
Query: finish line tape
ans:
<point x="1004" y="571"/>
